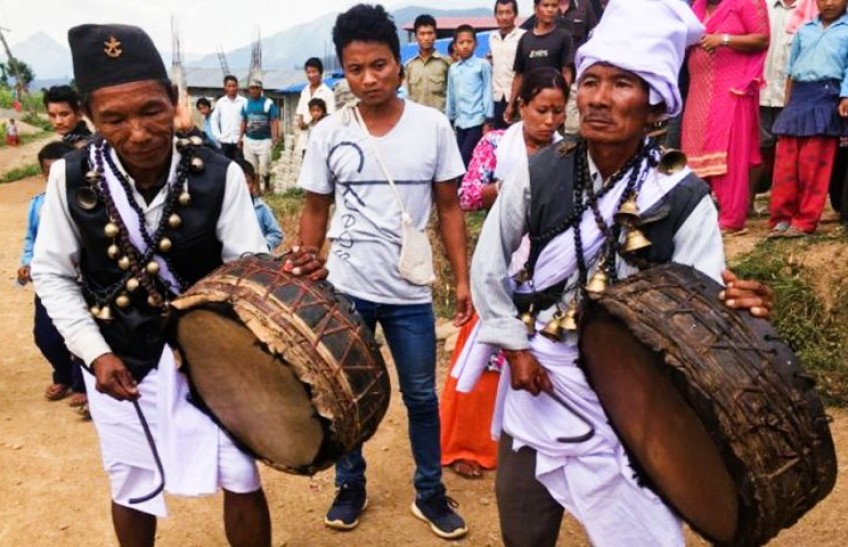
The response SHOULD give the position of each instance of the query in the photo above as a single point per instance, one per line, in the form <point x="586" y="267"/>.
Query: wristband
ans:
<point x="725" y="40"/>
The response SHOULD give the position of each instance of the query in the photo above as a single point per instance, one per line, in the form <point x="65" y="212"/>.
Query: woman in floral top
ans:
<point x="467" y="445"/>
<point x="501" y="151"/>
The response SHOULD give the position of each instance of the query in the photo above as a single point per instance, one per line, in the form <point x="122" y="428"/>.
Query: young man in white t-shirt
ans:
<point x="420" y="154"/>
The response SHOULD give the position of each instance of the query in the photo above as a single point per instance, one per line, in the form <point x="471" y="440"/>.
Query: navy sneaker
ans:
<point x="437" y="510"/>
<point x="350" y="502"/>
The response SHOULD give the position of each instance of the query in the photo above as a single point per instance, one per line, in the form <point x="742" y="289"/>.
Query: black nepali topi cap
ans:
<point x="106" y="55"/>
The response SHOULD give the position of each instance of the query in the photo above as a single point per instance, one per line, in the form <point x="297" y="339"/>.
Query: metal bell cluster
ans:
<point x="561" y="323"/>
<point x="628" y="217"/>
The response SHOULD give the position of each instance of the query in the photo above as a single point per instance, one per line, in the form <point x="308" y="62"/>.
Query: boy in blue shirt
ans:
<point x="469" y="98"/>
<point x="267" y="222"/>
<point x="67" y="376"/>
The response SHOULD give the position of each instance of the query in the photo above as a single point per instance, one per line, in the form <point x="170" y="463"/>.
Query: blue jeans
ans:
<point x="411" y="334"/>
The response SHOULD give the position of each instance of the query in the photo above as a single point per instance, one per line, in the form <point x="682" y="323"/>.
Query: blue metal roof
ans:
<point x="410" y="50"/>
<point x="407" y="52"/>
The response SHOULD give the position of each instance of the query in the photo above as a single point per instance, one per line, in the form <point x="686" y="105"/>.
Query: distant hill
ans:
<point x="47" y="58"/>
<point x="287" y="50"/>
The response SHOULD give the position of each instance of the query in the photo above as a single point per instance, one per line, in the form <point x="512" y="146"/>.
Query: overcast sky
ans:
<point x="204" y="24"/>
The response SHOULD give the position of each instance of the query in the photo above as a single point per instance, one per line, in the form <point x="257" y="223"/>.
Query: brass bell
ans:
<point x="529" y="320"/>
<point x="92" y="177"/>
<point x="174" y="221"/>
<point x="635" y="240"/>
<point x="569" y="320"/>
<point x="124" y="262"/>
<point x="194" y="140"/>
<point x="671" y="161"/>
<point x="153" y="301"/>
<point x="105" y="313"/>
<point x="86" y="198"/>
<point x="628" y="214"/>
<point x="553" y="329"/>
<point x="184" y="198"/>
<point x="111" y="229"/>
<point x="599" y="281"/>
<point x="152" y="267"/>
<point x="113" y="251"/>
<point x="132" y="284"/>
<point x="95" y="310"/>
<point x="165" y="245"/>
<point x="196" y="164"/>
<point x="122" y="301"/>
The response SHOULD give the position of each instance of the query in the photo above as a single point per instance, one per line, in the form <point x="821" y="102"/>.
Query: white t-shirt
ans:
<point x="366" y="228"/>
<point x="321" y="92"/>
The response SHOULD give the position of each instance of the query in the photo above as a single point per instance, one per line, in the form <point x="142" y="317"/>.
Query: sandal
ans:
<point x="56" y="392"/>
<point x="468" y="469"/>
<point x="78" y="399"/>
<point x="84" y="412"/>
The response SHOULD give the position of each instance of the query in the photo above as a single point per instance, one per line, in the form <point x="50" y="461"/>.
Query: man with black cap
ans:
<point x="260" y="128"/>
<point x="138" y="220"/>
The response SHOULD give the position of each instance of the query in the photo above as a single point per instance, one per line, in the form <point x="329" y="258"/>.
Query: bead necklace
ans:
<point x="127" y="255"/>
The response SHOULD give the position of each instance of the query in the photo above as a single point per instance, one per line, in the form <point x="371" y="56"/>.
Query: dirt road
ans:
<point x="15" y="157"/>
<point x="56" y="494"/>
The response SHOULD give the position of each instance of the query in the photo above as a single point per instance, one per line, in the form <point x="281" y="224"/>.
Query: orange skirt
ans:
<point x="466" y="418"/>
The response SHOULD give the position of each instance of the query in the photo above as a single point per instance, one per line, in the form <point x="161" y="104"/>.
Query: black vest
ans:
<point x="552" y="203"/>
<point x="137" y="333"/>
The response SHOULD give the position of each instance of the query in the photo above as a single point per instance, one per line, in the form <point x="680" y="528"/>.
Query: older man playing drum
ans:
<point x="129" y="222"/>
<point x="627" y="80"/>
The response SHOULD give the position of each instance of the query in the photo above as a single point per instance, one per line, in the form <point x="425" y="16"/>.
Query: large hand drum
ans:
<point x="283" y="364"/>
<point x="714" y="410"/>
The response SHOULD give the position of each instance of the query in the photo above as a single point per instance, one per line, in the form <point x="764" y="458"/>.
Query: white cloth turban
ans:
<point x="648" y="38"/>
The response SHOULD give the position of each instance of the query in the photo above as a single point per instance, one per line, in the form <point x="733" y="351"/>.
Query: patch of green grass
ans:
<point x="21" y="173"/>
<point x="277" y="151"/>
<point x="818" y="336"/>
<point x="36" y="120"/>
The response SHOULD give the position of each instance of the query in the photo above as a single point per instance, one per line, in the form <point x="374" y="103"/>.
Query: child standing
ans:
<point x="812" y="121"/>
<point x="12" y="138"/>
<point x="267" y="222"/>
<point x="469" y="98"/>
<point x="318" y="111"/>
<point x="67" y="376"/>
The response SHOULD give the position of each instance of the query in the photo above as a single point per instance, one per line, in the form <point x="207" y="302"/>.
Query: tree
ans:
<point x="16" y="68"/>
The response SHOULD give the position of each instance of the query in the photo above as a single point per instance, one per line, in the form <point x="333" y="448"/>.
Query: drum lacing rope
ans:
<point x="577" y="414"/>
<point x="152" y="444"/>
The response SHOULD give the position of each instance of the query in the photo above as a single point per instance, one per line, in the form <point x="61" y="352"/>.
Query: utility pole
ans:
<point x="12" y="63"/>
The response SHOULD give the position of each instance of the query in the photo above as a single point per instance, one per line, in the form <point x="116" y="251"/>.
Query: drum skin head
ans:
<point x="714" y="409"/>
<point x="662" y="433"/>
<point x="265" y="402"/>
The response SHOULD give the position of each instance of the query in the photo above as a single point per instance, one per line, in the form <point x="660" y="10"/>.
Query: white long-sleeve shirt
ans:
<point x="58" y="247"/>
<point x="226" y="119"/>
<point x="503" y="50"/>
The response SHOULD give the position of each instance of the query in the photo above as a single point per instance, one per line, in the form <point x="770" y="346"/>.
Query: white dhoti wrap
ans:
<point x="197" y="456"/>
<point x="592" y="480"/>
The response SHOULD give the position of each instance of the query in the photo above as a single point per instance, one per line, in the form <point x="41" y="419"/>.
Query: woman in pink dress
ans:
<point x="721" y="120"/>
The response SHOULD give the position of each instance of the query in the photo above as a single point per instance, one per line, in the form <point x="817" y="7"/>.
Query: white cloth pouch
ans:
<point x="416" y="256"/>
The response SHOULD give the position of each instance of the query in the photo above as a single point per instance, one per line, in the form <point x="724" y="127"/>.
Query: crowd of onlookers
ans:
<point x="757" y="57"/>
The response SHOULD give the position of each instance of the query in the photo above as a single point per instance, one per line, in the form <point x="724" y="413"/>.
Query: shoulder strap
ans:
<point x="358" y="118"/>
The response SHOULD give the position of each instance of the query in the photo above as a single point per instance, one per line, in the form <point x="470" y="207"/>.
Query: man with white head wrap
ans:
<point x="627" y="80"/>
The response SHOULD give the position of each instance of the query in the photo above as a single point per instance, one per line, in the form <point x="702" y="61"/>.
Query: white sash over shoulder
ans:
<point x="558" y="262"/>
